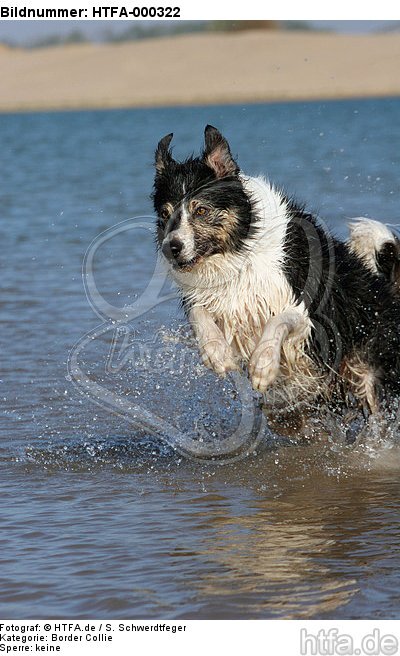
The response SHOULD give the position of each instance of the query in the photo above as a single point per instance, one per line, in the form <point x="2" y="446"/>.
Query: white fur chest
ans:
<point x="242" y="291"/>
<point x="242" y="298"/>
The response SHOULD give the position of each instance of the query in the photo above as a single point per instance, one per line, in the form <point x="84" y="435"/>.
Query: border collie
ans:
<point x="267" y="288"/>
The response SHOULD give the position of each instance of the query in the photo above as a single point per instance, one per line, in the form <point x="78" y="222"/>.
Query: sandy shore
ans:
<point x="201" y="69"/>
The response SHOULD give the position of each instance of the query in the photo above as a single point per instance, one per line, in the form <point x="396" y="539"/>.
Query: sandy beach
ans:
<point x="201" y="69"/>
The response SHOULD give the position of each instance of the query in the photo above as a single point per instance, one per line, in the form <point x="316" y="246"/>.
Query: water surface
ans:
<point x="101" y="519"/>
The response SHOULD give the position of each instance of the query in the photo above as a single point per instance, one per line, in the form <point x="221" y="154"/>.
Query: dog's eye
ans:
<point x="201" y="211"/>
<point x="164" y="213"/>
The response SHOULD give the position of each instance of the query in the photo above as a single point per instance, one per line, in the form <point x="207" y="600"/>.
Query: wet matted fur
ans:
<point x="267" y="288"/>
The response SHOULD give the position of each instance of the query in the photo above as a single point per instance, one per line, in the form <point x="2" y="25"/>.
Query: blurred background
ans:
<point x="37" y="34"/>
<point x="115" y="64"/>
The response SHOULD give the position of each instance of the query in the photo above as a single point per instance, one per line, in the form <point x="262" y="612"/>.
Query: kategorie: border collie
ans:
<point x="266" y="287"/>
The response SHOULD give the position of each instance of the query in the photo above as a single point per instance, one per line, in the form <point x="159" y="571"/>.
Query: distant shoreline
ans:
<point x="201" y="69"/>
<point x="105" y="108"/>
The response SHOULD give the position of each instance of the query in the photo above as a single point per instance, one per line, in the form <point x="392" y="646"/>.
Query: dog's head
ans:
<point x="201" y="204"/>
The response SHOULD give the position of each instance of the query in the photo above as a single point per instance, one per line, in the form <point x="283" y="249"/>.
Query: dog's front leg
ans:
<point x="214" y="349"/>
<point x="265" y="361"/>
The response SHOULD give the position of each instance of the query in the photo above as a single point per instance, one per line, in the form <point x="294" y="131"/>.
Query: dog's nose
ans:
<point x="172" y="248"/>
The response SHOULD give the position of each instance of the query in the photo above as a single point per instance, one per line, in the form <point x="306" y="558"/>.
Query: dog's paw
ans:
<point x="264" y="366"/>
<point x="217" y="355"/>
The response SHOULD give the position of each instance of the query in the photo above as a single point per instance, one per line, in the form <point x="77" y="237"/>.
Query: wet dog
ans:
<point x="268" y="289"/>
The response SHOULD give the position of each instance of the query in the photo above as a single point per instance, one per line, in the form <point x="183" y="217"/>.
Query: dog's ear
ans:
<point x="217" y="154"/>
<point x="163" y="154"/>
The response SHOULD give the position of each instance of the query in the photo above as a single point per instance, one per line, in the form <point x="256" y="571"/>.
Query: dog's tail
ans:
<point x="378" y="247"/>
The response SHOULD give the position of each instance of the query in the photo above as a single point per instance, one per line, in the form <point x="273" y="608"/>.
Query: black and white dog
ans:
<point x="266" y="287"/>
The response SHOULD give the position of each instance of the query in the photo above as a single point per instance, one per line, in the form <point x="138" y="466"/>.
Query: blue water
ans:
<point x="102" y="519"/>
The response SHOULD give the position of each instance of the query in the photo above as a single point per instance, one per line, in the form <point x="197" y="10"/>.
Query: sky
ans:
<point x="27" y="32"/>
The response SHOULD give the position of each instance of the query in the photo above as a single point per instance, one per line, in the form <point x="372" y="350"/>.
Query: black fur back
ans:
<point x="352" y="309"/>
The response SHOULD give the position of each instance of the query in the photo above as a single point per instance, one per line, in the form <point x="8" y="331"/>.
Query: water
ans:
<point x="100" y="518"/>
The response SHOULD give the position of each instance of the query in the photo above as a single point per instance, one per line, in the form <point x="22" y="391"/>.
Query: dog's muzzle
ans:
<point x="172" y="249"/>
